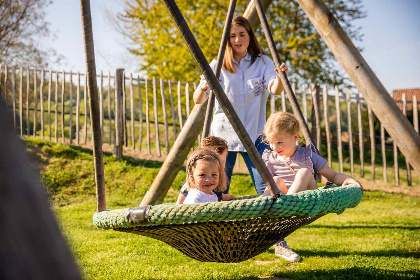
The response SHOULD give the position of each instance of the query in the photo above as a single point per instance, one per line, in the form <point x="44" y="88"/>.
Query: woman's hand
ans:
<point x="352" y="181"/>
<point x="283" y="68"/>
<point x="204" y="87"/>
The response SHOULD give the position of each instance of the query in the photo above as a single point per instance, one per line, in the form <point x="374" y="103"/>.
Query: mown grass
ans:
<point x="379" y="239"/>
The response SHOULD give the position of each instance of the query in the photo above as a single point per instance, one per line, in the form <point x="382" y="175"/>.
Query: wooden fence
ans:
<point x="53" y="105"/>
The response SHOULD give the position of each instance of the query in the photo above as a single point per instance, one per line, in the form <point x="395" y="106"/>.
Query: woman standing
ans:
<point x="247" y="78"/>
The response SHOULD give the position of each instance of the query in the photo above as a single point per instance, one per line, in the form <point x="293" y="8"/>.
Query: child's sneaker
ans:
<point x="282" y="250"/>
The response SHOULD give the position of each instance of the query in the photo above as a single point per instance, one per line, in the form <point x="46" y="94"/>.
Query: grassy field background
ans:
<point x="379" y="239"/>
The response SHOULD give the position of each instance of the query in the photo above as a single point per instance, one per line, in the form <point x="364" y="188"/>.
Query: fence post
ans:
<point x="35" y="103"/>
<point x="78" y="109"/>
<point x="56" y="108"/>
<point x="339" y="144"/>
<point x="316" y="116"/>
<point x="49" y="103"/>
<point x="28" y="109"/>
<point x="172" y="107"/>
<point x="407" y="164"/>
<point x="140" y="112"/>
<point x="41" y="99"/>
<point x="119" y="122"/>
<point x="20" y="100"/>
<point x="71" y="108"/>
<point x="149" y="150"/>
<point x="385" y="175"/>
<point x="179" y="105"/>
<point x="85" y="96"/>
<point x="63" y="87"/>
<point x="372" y="141"/>
<point x="155" y="111"/>
<point x="327" y="125"/>
<point x="165" y="115"/>
<point x="14" y="95"/>
<point x="272" y="103"/>
<point x="187" y="99"/>
<point x="101" y="102"/>
<point x="6" y="71"/>
<point x="133" y="133"/>
<point x="361" y="140"/>
<point x="124" y="112"/>
<point x="349" y="128"/>
<point x="415" y="116"/>
<point x="109" y="108"/>
<point x="304" y="104"/>
<point x="283" y="101"/>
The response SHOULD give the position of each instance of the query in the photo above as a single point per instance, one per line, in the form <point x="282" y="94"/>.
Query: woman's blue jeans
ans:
<point x="255" y="176"/>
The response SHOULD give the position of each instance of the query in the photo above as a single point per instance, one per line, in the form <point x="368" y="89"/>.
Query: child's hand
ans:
<point x="283" y="68"/>
<point x="352" y="181"/>
<point x="227" y="197"/>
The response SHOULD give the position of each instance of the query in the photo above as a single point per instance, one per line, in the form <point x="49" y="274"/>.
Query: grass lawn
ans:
<point x="379" y="239"/>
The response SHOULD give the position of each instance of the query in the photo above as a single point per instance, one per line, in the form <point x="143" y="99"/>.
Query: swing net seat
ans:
<point x="230" y="231"/>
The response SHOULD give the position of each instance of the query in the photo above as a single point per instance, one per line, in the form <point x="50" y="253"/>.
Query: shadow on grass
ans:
<point x="335" y="254"/>
<point x="381" y="253"/>
<point x="364" y="227"/>
<point x="129" y="160"/>
<point x="348" y="274"/>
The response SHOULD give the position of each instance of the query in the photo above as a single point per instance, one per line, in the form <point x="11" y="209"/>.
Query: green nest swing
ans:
<point x="229" y="231"/>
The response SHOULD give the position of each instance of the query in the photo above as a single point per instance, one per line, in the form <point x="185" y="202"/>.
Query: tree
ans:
<point x="162" y="51"/>
<point x="22" y="24"/>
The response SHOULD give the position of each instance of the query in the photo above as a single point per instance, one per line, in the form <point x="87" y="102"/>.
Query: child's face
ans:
<point x="284" y="143"/>
<point x="206" y="176"/>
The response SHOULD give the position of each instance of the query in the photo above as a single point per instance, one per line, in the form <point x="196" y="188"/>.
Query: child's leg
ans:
<point x="304" y="181"/>
<point x="280" y="184"/>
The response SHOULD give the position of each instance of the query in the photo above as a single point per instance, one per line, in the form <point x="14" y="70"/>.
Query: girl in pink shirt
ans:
<point x="294" y="167"/>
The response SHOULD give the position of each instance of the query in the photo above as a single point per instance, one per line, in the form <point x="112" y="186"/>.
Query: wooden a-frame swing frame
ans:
<point x="336" y="39"/>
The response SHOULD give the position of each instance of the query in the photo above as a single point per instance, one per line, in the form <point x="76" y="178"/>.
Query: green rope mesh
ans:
<point x="307" y="203"/>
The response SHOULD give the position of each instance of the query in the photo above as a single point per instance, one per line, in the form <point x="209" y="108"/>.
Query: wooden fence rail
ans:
<point x="330" y="112"/>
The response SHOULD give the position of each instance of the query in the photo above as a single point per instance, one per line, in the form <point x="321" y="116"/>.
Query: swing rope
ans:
<point x="219" y="63"/>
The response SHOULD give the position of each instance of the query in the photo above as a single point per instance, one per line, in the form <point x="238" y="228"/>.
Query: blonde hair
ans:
<point x="254" y="48"/>
<point x="281" y="121"/>
<point x="214" y="143"/>
<point x="209" y="156"/>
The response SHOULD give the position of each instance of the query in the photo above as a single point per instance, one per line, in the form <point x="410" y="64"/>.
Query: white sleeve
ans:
<point x="203" y="79"/>
<point x="270" y="74"/>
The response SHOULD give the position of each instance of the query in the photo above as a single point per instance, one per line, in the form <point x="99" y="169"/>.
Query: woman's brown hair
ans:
<point x="208" y="156"/>
<point x="254" y="48"/>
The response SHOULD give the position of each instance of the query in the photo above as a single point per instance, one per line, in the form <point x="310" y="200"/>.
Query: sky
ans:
<point x="391" y="44"/>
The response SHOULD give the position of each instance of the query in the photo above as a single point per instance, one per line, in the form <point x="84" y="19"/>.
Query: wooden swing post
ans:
<point x="94" y="104"/>
<point x="375" y="94"/>
<point x="251" y="12"/>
